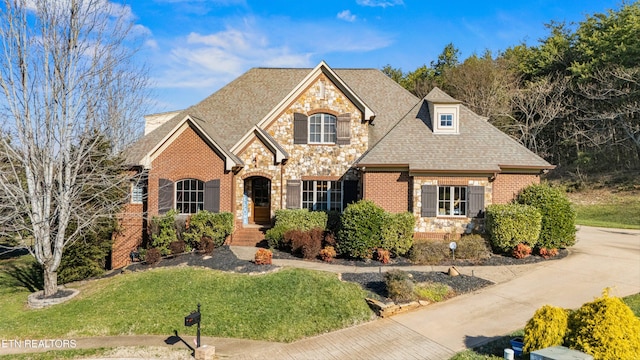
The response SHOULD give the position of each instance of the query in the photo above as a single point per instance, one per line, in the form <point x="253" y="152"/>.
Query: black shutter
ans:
<point x="476" y="201"/>
<point x="429" y="195"/>
<point x="212" y="195"/>
<point x="165" y="195"/>
<point x="299" y="128"/>
<point x="293" y="194"/>
<point x="344" y="129"/>
<point x="349" y="192"/>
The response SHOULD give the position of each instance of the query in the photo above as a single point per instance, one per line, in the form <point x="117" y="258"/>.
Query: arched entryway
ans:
<point x="257" y="192"/>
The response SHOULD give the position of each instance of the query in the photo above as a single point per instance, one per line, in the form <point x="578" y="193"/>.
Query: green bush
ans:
<point x="605" y="328"/>
<point x="397" y="232"/>
<point x="275" y="236"/>
<point x="399" y="285"/>
<point x="558" y="217"/>
<point x="360" y="229"/>
<point x="163" y="231"/>
<point x="434" y="292"/>
<point x="293" y="219"/>
<point x="429" y="252"/>
<point x="511" y="224"/>
<point x="546" y="328"/>
<point x="86" y="257"/>
<point x="216" y="226"/>
<point x="472" y="247"/>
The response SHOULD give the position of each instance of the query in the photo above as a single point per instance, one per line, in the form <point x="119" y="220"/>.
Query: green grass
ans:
<point x="281" y="306"/>
<point x="617" y="212"/>
<point x="494" y="350"/>
<point x="58" y="354"/>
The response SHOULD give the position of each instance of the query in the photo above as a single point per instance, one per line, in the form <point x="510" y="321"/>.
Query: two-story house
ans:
<point x="319" y="139"/>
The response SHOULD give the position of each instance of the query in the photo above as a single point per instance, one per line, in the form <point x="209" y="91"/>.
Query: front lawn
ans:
<point x="281" y="306"/>
<point x="605" y="208"/>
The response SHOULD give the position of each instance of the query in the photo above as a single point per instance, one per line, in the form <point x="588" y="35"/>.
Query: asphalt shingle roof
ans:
<point x="479" y="146"/>
<point x="400" y="134"/>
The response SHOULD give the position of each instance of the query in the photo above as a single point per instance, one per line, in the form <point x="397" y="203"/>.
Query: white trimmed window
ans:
<point x="322" y="129"/>
<point x="137" y="192"/>
<point x="322" y="195"/>
<point x="446" y="120"/>
<point x="189" y="196"/>
<point x="452" y="201"/>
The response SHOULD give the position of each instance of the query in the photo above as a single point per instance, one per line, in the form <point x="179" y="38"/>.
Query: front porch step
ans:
<point x="248" y="236"/>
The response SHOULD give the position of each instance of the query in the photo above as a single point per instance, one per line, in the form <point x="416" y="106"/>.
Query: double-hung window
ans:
<point x="452" y="201"/>
<point x="137" y="193"/>
<point x="322" y="195"/>
<point x="322" y="129"/>
<point x="189" y="196"/>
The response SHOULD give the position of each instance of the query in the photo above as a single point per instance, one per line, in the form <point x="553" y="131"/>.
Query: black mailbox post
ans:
<point x="193" y="319"/>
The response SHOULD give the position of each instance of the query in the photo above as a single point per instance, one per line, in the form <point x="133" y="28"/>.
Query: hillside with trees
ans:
<point x="573" y="98"/>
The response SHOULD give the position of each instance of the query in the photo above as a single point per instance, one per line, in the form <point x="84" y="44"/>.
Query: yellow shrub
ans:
<point x="546" y="328"/>
<point x="605" y="328"/>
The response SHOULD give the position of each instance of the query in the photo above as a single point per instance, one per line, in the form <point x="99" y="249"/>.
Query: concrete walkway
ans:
<point x="601" y="258"/>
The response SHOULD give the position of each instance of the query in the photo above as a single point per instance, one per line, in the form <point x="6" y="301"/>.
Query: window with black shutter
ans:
<point x="344" y="129"/>
<point x="293" y="194"/>
<point x="429" y="196"/>
<point x="476" y="201"/>
<point x="299" y="128"/>
<point x="212" y="195"/>
<point x="165" y="195"/>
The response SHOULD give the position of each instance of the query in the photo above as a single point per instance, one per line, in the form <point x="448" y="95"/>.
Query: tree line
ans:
<point x="573" y="98"/>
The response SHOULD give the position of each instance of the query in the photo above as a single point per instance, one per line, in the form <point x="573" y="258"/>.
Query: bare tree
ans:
<point x="612" y="106"/>
<point x="535" y="106"/>
<point x="68" y="85"/>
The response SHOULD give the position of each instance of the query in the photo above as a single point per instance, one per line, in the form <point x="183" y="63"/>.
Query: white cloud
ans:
<point x="380" y="3"/>
<point x="347" y="16"/>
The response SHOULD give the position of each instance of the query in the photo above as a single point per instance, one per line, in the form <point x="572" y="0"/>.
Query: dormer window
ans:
<point x="446" y="118"/>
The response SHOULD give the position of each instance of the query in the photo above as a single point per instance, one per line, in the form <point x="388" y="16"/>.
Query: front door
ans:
<point x="261" y="199"/>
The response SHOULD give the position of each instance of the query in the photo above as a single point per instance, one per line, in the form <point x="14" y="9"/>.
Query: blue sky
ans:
<point x="194" y="47"/>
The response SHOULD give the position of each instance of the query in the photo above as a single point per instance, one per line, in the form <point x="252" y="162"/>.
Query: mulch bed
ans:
<point x="225" y="260"/>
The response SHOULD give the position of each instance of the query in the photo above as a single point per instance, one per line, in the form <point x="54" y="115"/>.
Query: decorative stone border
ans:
<point x="389" y="309"/>
<point x="38" y="301"/>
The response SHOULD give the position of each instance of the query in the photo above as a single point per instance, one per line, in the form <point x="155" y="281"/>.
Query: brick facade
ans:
<point x="188" y="156"/>
<point x="129" y="234"/>
<point x="389" y="190"/>
<point x="507" y="186"/>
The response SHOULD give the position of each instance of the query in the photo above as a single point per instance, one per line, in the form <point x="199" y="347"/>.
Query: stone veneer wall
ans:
<point x="306" y="161"/>
<point x="450" y="224"/>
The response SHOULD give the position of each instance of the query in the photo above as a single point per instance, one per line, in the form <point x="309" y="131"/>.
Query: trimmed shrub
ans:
<point x="306" y="243"/>
<point x="429" y="252"/>
<point x="359" y="232"/>
<point x="152" y="256"/>
<point x="275" y="237"/>
<point x="397" y="232"/>
<point x="399" y="285"/>
<point x="382" y="255"/>
<point x="216" y="226"/>
<point x="328" y="253"/>
<point x="605" y="328"/>
<point x="547" y="253"/>
<point x="163" y="231"/>
<point x="511" y="224"/>
<point x="521" y="251"/>
<point x="293" y="219"/>
<point x="558" y="217"/>
<point x="546" y="328"/>
<point x="434" y="292"/>
<point x="206" y="245"/>
<point x="263" y="257"/>
<point x="472" y="247"/>
<point x="177" y="247"/>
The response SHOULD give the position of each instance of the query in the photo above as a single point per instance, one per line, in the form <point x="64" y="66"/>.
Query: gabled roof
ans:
<point x="437" y="96"/>
<point x="479" y="146"/>
<point x="230" y="114"/>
